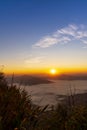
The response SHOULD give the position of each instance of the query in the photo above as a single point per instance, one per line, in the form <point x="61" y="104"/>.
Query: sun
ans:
<point x="53" y="71"/>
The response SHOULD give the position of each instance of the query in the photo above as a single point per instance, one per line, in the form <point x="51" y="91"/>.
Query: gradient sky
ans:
<point x="36" y="35"/>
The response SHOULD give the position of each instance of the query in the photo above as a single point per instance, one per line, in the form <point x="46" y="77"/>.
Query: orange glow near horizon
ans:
<point x="56" y="71"/>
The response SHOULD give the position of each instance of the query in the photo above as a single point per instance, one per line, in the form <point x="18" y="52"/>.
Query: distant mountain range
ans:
<point x="28" y="80"/>
<point x="71" y="77"/>
<point x="35" y="80"/>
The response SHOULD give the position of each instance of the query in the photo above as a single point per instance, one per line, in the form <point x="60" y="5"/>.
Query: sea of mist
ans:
<point x="53" y="93"/>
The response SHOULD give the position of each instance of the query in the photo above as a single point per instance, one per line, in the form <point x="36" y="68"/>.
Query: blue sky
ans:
<point x="34" y="34"/>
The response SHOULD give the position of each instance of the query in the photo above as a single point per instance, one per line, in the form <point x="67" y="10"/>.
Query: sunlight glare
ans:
<point x="53" y="71"/>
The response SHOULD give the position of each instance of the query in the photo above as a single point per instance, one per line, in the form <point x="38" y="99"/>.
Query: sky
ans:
<point x="38" y="35"/>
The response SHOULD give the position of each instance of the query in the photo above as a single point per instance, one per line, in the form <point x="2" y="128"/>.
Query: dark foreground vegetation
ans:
<point x="17" y="112"/>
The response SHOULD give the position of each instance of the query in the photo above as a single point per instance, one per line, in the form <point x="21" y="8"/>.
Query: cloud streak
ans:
<point x="64" y="35"/>
<point x="34" y="60"/>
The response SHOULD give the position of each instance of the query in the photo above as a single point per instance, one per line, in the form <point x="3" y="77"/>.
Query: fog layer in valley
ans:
<point x="54" y="92"/>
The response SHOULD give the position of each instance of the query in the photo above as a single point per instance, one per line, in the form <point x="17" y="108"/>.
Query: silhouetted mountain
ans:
<point x="29" y="80"/>
<point x="71" y="77"/>
<point x="37" y="79"/>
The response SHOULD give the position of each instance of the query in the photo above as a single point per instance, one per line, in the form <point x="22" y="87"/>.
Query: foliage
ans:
<point x="16" y="108"/>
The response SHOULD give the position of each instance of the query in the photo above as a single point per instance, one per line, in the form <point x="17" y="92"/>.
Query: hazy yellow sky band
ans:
<point x="45" y="70"/>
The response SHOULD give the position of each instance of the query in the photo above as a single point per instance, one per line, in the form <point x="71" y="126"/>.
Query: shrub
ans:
<point x="16" y="108"/>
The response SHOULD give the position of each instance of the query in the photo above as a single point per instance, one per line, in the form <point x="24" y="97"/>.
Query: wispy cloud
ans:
<point x="84" y="41"/>
<point x="34" y="60"/>
<point x="46" y="41"/>
<point x="84" y="47"/>
<point x="64" y="35"/>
